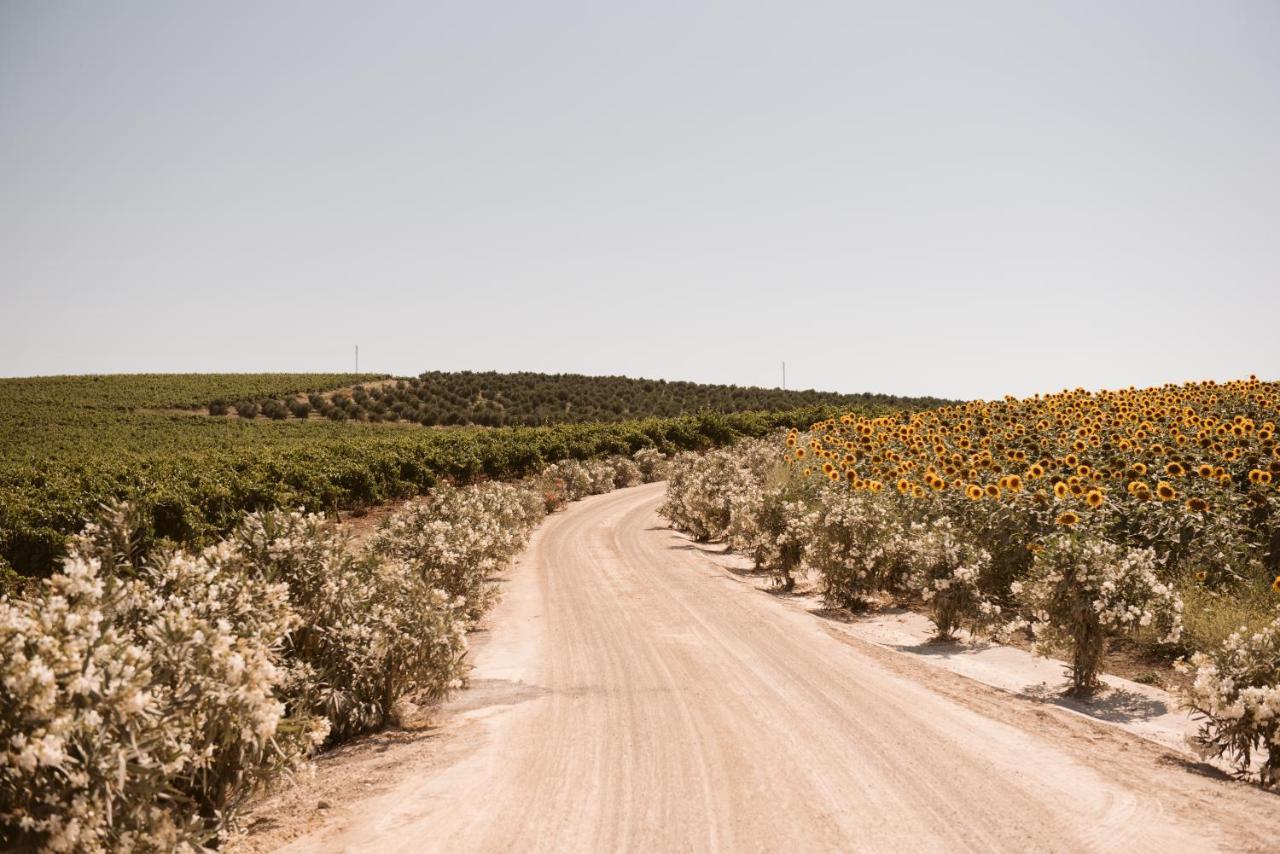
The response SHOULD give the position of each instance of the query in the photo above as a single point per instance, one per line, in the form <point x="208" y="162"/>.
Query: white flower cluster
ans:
<point x="861" y="544"/>
<point x="950" y="572"/>
<point x="371" y="628"/>
<point x="570" y="480"/>
<point x="652" y="464"/>
<point x="1236" y="689"/>
<point x="457" y="538"/>
<point x="137" y="712"/>
<point x="1080" y="586"/>
<point x="707" y="492"/>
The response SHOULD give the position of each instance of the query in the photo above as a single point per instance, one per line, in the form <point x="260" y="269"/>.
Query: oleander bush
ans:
<point x="370" y="630"/>
<point x="950" y="572"/>
<point x="653" y="464"/>
<point x="1082" y="587"/>
<point x="1236" y="691"/>
<point x="698" y="493"/>
<point x="457" y="539"/>
<point x="573" y="478"/>
<point x="861" y="545"/>
<point x="138" y="711"/>
<point x="625" y="472"/>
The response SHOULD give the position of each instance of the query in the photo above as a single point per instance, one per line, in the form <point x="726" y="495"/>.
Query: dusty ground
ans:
<point x="633" y="695"/>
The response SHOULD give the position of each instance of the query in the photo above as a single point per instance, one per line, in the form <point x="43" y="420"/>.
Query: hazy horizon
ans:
<point x="922" y="199"/>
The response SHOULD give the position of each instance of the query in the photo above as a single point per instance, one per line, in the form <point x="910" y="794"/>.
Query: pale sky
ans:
<point x="960" y="199"/>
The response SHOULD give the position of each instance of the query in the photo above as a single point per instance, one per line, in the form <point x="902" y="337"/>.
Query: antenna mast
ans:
<point x="357" y="358"/>
<point x="784" y="376"/>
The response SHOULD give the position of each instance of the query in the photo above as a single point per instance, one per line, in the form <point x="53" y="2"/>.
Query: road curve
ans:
<point x="634" y="696"/>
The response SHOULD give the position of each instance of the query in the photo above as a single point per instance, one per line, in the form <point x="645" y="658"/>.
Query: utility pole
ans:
<point x="357" y="358"/>
<point x="784" y="376"/>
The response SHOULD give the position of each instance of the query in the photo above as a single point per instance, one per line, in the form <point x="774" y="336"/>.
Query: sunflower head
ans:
<point x="1197" y="505"/>
<point x="1165" y="492"/>
<point x="1094" y="498"/>
<point x="1069" y="518"/>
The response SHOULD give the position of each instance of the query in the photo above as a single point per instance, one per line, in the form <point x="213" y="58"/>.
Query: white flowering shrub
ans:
<point x="138" y="712"/>
<point x="1236" y="689"/>
<point x="861" y="544"/>
<point x="698" y="496"/>
<point x="625" y="472"/>
<point x="571" y="480"/>
<point x="1082" y="586"/>
<point x="652" y="463"/>
<point x="600" y="476"/>
<point x="771" y="520"/>
<point x="574" y="478"/>
<point x="703" y="490"/>
<point x="370" y="631"/>
<point x="459" y="537"/>
<point x="948" y="570"/>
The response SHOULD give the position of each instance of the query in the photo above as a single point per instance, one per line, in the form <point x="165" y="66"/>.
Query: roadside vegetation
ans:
<point x="1147" y="513"/>
<point x="148" y="693"/>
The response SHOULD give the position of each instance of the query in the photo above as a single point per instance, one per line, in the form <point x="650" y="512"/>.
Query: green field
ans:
<point x="69" y="443"/>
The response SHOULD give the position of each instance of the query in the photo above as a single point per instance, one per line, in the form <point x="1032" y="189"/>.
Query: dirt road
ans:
<point x="634" y="696"/>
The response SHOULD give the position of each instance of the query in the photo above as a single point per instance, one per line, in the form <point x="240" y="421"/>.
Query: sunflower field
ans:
<point x="1081" y="515"/>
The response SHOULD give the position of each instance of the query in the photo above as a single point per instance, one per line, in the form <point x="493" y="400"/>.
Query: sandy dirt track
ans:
<point x="634" y="696"/>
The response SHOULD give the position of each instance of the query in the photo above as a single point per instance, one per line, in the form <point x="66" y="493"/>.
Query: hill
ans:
<point x="70" y="443"/>
<point x="491" y="399"/>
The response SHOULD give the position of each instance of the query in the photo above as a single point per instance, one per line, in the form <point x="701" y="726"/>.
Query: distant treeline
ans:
<point x="491" y="399"/>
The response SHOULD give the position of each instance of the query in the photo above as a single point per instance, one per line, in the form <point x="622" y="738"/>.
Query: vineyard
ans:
<point x="68" y="444"/>
<point x="531" y="399"/>
<point x="1148" y="513"/>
